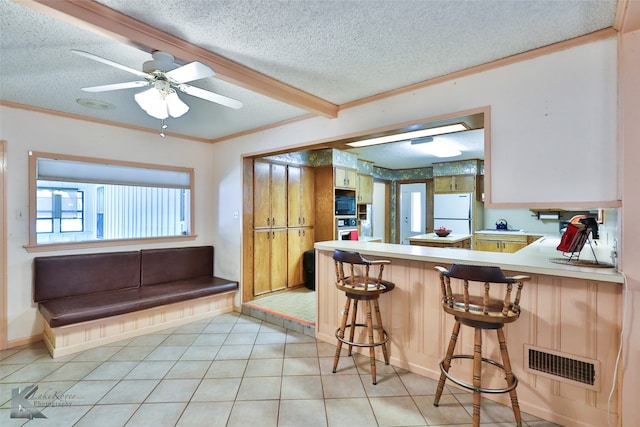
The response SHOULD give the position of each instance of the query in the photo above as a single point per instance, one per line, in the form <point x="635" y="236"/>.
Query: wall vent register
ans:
<point x="563" y="367"/>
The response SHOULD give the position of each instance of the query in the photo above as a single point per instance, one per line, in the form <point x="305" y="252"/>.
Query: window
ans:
<point x="86" y="201"/>
<point x="59" y="210"/>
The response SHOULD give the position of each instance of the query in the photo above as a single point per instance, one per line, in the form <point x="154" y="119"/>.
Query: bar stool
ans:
<point x="361" y="287"/>
<point x="480" y="311"/>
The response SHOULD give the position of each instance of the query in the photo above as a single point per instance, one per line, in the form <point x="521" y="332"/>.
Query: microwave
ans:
<point x="345" y="204"/>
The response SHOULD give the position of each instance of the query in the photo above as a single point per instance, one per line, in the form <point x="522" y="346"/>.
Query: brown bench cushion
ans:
<point x="71" y="275"/>
<point x="78" y="288"/>
<point x="82" y="308"/>
<point x="172" y="264"/>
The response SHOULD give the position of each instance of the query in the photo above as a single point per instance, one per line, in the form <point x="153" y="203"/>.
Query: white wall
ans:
<point x="559" y="89"/>
<point x="24" y="131"/>
<point x="543" y="104"/>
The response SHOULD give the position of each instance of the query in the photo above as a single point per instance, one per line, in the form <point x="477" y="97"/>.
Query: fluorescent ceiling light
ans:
<point x="438" y="148"/>
<point x="440" y="130"/>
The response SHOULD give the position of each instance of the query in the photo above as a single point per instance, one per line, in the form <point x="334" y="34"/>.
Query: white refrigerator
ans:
<point x="453" y="211"/>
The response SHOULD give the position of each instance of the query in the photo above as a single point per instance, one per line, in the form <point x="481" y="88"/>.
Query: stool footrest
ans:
<point x="362" y="344"/>
<point x="480" y="389"/>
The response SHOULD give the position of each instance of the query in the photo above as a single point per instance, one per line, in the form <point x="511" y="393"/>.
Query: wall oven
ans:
<point x="345" y="227"/>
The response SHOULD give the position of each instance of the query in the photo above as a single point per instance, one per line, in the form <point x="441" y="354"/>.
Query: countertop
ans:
<point x="434" y="238"/>
<point x="508" y="232"/>
<point x="534" y="259"/>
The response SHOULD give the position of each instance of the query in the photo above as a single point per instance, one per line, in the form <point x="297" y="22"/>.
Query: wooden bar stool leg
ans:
<point x="352" y="332"/>
<point x="343" y="325"/>
<point x="477" y="375"/>
<point x="372" y="356"/>
<point x="509" y="376"/>
<point x="381" y="331"/>
<point x="446" y="363"/>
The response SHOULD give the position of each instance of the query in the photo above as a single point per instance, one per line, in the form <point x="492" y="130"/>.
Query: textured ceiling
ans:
<point x="338" y="51"/>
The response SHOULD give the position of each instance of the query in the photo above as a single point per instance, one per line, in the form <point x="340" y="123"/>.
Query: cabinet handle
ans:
<point x="304" y="233"/>
<point x="497" y="245"/>
<point x="303" y="220"/>
<point x="299" y="233"/>
<point x="268" y="221"/>
<point x="273" y="221"/>
<point x="268" y="236"/>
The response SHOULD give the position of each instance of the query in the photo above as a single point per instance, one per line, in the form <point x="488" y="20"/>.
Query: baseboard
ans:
<point x="24" y="341"/>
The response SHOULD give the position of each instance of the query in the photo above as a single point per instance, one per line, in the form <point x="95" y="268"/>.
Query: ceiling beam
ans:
<point x="97" y="18"/>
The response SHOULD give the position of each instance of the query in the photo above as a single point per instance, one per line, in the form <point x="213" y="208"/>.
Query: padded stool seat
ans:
<point x="480" y="311"/>
<point x="361" y="287"/>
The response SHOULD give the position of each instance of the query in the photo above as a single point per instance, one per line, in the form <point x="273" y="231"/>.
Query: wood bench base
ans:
<point x="69" y="339"/>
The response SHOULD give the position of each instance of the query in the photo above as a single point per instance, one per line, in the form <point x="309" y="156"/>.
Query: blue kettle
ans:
<point x="501" y="224"/>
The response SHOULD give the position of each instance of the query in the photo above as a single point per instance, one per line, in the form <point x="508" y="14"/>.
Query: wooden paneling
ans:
<point x="70" y="339"/>
<point x="573" y="316"/>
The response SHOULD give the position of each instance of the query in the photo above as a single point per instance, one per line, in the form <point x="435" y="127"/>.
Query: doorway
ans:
<point x="3" y="250"/>
<point x="413" y="210"/>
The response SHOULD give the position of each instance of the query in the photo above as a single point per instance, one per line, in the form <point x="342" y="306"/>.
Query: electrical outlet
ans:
<point x="19" y="215"/>
<point x="236" y="215"/>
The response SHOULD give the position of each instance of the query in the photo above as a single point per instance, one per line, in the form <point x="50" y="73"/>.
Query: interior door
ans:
<point x="413" y="210"/>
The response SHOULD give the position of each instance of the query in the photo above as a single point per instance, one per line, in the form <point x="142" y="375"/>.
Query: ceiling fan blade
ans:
<point x="115" y="86"/>
<point x="210" y="96"/>
<point x="191" y="71"/>
<point x="111" y="63"/>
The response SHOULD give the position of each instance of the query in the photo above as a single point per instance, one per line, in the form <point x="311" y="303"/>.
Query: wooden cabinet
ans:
<point x="462" y="244"/>
<point x="345" y="177"/>
<point x="502" y="242"/>
<point x="455" y="184"/>
<point x="365" y="189"/>
<point x="269" y="195"/>
<point x="299" y="240"/>
<point x="269" y="260"/>
<point x="300" y="194"/>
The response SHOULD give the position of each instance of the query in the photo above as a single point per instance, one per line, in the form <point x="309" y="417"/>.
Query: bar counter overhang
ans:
<point x="569" y="311"/>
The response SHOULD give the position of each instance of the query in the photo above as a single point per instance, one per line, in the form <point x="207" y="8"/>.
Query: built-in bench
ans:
<point x="95" y="299"/>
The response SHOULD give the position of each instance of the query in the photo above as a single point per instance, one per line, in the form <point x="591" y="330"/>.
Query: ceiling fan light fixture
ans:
<point x="152" y="102"/>
<point x="175" y="106"/>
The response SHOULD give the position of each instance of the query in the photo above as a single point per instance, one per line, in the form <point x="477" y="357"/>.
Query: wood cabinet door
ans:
<point x="299" y="241"/>
<point x="454" y="184"/>
<point x="261" y="194"/>
<point x="307" y="205"/>
<point x="294" y="196"/>
<point x="365" y="189"/>
<point x="512" y="247"/>
<point x="345" y="178"/>
<point x="442" y="184"/>
<point x="294" y="257"/>
<point x="464" y="183"/>
<point x="278" y="259"/>
<point x="261" y="262"/>
<point x="278" y="195"/>
<point x="488" y="245"/>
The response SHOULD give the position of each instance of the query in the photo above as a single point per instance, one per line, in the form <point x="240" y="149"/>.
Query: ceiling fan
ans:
<point x="165" y="78"/>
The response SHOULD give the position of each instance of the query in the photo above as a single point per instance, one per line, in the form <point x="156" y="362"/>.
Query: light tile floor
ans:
<point x="229" y="370"/>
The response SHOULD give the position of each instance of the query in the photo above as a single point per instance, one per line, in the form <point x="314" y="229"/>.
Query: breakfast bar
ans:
<point x="569" y="316"/>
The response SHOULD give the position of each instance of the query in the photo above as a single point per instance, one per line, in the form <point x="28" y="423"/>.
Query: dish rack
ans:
<point x="572" y="243"/>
